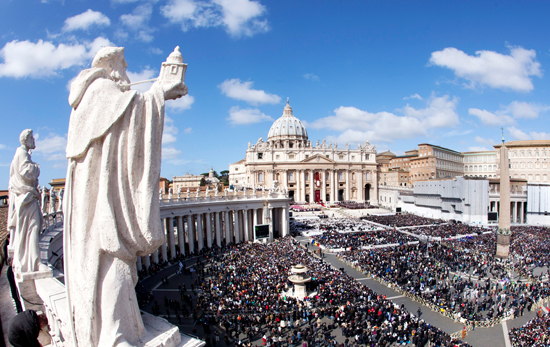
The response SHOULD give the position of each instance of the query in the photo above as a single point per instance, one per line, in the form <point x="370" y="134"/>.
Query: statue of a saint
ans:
<point x="112" y="212"/>
<point x="24" y="215"/>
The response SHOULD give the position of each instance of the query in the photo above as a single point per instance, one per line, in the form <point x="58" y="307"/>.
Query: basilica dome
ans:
<point x="287" y="127"/>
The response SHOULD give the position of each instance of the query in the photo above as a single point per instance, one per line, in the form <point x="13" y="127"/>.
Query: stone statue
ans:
<point x="24" y="214"/>
<point x="43" y="199"/>
<point x="112" y="212"/>
<point x="52" y="201"/>
<point x="60" y="205"/>
<point x="188" y="193"/>
<point x="170" y="192"/>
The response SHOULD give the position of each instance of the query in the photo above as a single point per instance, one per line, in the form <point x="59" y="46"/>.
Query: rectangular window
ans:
<point x="291" y="156"/>
<point x="277" y="156"/>
<point x="291" y="176"/>
<point x="260" y="177"/>
<point x="341" y="157"/>
<point x="366" y="157"/>
<point x="260" y="155"/>
<point x="340" y="176"/>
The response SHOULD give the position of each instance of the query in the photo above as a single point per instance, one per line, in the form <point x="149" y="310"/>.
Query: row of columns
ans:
<point x="234" y="226"/>
<point x="517" y="210"/>
<point x="301" y="190"/>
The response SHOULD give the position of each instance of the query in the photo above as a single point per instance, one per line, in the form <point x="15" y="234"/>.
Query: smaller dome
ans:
<point x="175" y="56"/>
<point x="287" y="127"/>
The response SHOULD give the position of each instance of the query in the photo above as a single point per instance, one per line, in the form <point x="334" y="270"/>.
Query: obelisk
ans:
<point x="503" y="233"/>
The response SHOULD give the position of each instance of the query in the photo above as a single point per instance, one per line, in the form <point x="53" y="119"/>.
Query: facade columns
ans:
<point x="190" y="233"/>
<point x="171" y="239"/>
<point x="181" y="235"/>
<point x="361" y="186"/>
<point x="298" y="183"/>
<point x="285" y="172"/>
<point x="200" y="232"/>
<point x="348" y="186"/>
<point x="333" y="186"/>
<point x="311" y="187"/>
<point x="521" y="213"/>
<point x="324" y="183"/>
<point x="270" y="217"/>
<point x="217" y="217"/>
<point x="303" y="185"/>
<point x="208" y="229"/>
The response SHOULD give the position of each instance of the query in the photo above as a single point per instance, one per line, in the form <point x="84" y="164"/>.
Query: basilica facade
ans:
<point x="320" y="172"/>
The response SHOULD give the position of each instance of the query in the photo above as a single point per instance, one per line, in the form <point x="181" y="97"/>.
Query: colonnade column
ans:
<point x="208" y="229"/>
<point x="303" y="185"/>
<point x="218" y="229"/>
<point x="348" y="185"/>
<point x="237" y="229"/>
<point x="227" y="225"/>
<point x="163" y="253"/>
<point x="521" y="212"/>
<point x="190" y="233"/>
<point x="171" y="238"/>
<point x="146" y="261"/>
<point x="245" y="225"/>
<point x="324" y="183"/>
<point x="270" y="214"/>
<point x="181" y="235"/>
<point x="311" y="186"/>
<point x="138" y="263"/>
<point x="155" y="256"/>
<point x="285" y="221"/>
<point x="285" y="172"/>
<point x="200" y="232"/>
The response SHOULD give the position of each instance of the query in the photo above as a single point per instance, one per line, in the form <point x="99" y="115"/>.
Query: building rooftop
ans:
<point x="526" y="143"/>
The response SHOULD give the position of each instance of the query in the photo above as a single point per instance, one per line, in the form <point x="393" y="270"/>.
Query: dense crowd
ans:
<point x="402" y="220"/>
<point x="448" y="230"/>
<point x="247" y="292"/>
<point x="535" y="333"/>
<point x="353" y="205"/>
<point x="461" y="277"/>
<point x="335" y="239"/>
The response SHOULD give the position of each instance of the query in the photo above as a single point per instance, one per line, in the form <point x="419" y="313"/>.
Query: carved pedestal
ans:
<point x="503" y="246"/>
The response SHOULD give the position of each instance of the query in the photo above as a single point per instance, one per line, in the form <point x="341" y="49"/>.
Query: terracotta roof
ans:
<point x="527" y="143"/>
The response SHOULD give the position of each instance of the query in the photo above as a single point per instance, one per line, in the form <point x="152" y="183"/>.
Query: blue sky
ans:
<point x="395" y="73"/>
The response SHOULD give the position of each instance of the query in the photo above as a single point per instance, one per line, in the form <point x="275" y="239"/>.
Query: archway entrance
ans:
<point x="340" y="195"/>
<point x="367" y="192"/>
<point x="291" y="195"/>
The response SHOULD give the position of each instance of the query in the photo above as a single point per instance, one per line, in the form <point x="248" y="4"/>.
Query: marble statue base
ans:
<point x="30" y="300"/>
<point x="503" y="246"/>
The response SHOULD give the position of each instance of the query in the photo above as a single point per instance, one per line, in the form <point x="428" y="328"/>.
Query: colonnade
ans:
<point x="331" y="176"/>
<point x="517" y="210"/>
<point x="189" y="233"/>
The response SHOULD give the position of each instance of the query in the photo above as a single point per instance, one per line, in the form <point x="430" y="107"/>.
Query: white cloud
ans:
<point x="482" y="141"/>
<point x="507" y="115"/>
<point x="188" y="130"/>
<point x="2" y="146"/>
<point x="492" y="69"/>
<point x="52" y="147"/>
<point x="491" y="119"/>
<point x="155" y="50"/>
<point x="235" y="89"/>
<point x="170" y="153"/>
<point x="533" y="135"/>
<point x="518" y="134"/>
<point x="238" y="116"/>
<point x="310" y="76"/>
<point x="170" y="131"/>
<point x="181" y="104"/>
<point x="138" y="21"/>
<point x="145" y="74"/>
<point x="357" y="125"/>
<point x="43" y="59"/>
<point x="414" y="96"/>
<point x="123" y="1"/>
<point x="85" y="20"/>
<point x="524" y="109"/>
<point x="238" y="17"/>
<point x="478" y="149"/>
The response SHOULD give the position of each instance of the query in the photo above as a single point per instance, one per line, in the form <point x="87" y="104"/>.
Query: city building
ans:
<point x="480" y="164"/>
<point x="323" y="172"/>
<point x="435" y="162"/>
<point x="528" y="160"/>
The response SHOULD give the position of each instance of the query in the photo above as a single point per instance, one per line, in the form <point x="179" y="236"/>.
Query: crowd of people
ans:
<point x="402" y="220"/>
<point x="535" y="333"/>
<point x="448" y="230"/>
<point x="352" y="205"/>
<point x="336" y="239"/>
<point x="246" y="290"/>
<point x="461" y="277"/>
